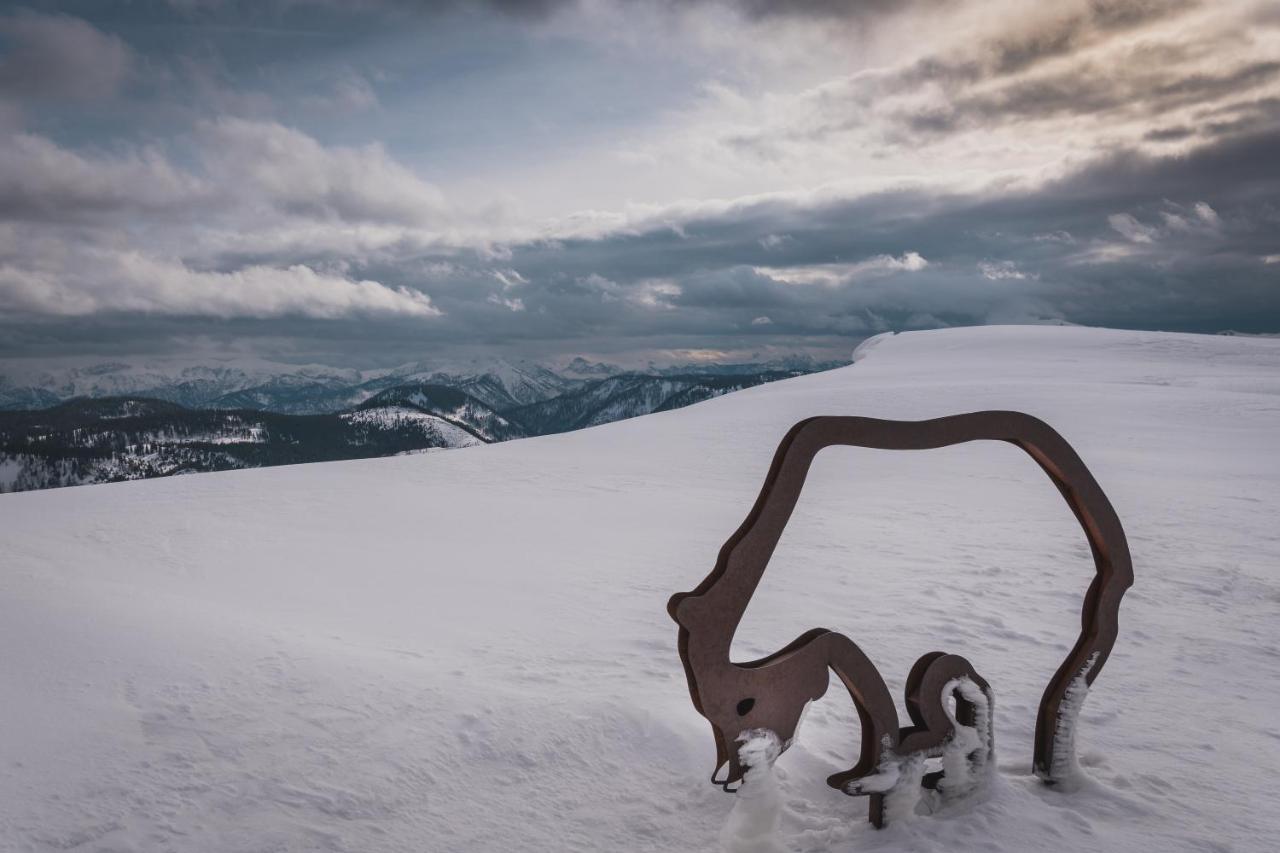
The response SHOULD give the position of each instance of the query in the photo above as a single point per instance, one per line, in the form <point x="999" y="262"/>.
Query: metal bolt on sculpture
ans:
<point x="771" y="693"/>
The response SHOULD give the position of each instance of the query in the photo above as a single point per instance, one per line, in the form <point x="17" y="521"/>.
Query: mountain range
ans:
<point x="211" y="419"/>
<point x="319" y="389"/>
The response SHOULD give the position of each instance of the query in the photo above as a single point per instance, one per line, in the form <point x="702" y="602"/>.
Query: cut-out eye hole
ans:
<point x="745" y="706"/>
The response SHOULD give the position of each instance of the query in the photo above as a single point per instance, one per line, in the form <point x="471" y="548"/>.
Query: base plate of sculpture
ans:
<point x="949" y="704"/>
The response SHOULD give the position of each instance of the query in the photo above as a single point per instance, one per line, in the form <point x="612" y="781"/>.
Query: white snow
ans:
<point x="752" y="825"/>
<point x="469" y="651"/>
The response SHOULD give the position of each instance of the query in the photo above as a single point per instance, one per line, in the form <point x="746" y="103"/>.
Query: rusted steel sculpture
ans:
<point x="771" y="693"/>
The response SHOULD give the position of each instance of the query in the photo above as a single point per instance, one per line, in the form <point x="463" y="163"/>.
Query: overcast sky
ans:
<point x="366" y="182"/>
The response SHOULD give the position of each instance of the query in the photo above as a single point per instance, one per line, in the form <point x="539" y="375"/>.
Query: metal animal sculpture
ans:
<point x="771" y="693"/>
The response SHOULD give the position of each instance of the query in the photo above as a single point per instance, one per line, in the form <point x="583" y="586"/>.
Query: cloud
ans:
<point x="509" y="278"/>
<point x="1046" y="85"/>
<point x="1090" y="247"/>
<point x="58" y="56"/>
<point x="833" y="274"/>
<point x="349" y="93"/>
<point x="299" y="175"/>
<point x="855" y="10"/>
<point x="1094" y="246"/>
<point x="1034" y="35"/>
<point x="1089" y="161"/>
<point x="515" y="304"/>
<point x="130" y="231"/>
<point x="1143" y="84"/>
<point x="42" y="181"/>
<point x="660" y="293"/>
<point x="1207" y="214"/>
<point x="246" y="166"/>
<point x="1131" y="229"/>
<point x="97" y="281"/>
<point x="1186" y="221"/>
<point x="998" y="270"/>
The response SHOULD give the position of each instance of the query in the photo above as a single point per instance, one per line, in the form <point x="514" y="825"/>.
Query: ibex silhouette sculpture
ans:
<point x="771" y="693"/>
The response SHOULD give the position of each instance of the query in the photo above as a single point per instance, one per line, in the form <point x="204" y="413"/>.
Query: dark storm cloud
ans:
<point x="250" y="230"/>
<point x="1185" y="243"/>
<point x="1099" y="19"/>
<point x="1136" y="90"/>
<point x="1052" y="252"/>
<point x="1030" y="44"/>
<point x="1038" y="68"/>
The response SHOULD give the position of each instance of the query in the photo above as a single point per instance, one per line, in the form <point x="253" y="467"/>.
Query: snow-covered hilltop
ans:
<point x="470" y="650"/>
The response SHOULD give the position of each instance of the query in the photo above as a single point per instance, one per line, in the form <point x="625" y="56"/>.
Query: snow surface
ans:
<point x="470" y="651"/>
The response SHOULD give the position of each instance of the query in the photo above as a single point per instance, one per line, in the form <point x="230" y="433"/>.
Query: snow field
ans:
<point x="469" y="650"/>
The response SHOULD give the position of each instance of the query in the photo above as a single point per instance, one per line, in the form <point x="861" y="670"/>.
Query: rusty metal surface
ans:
<point x="771" y="693"/>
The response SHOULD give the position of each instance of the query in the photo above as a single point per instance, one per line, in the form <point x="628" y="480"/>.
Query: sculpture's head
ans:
<point x="771" y="693"/>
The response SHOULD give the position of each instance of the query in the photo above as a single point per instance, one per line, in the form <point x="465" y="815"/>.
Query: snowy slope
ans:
<point x="469" y="650"/>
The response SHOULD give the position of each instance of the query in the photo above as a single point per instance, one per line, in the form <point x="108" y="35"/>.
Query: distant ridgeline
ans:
<point x="112" y="438"/>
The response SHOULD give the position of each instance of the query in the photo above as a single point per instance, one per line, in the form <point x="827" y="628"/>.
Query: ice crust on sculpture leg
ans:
<point x="1065" y="770"/>
<point x="901" y="800"/>
<point x="968" y="755"/>
<point x="898" y="778"/>
<point x="752" y="825"/>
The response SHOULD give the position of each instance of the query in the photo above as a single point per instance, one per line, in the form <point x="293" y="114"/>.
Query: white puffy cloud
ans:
<point x="508" y="278"/>
<point x="656" y="293"/>
<point x="294" y="172"/>
<point x="130" y="231"/>
<point x="1207" y="214"/>
<point x="1131" y="229"/>
<point x="832" y="275"/>
<point x="41" y="180"/>
<point x="92" y="280"/>
<point x="1000" y="270"/>
<point x="1190" y="221"/>
<point x="511" y="304"/>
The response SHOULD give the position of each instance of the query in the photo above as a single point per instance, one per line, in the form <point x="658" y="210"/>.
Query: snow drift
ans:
<point x="469" y="651"/>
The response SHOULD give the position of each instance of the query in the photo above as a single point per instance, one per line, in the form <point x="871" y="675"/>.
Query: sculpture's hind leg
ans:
<point x="961" y="738"/>
<point x="969" y="752"/>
